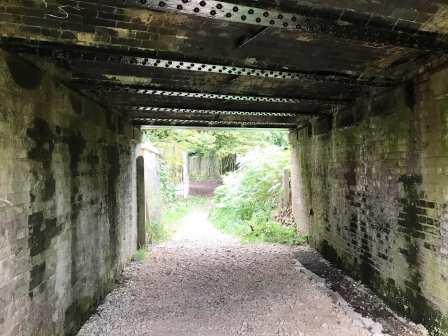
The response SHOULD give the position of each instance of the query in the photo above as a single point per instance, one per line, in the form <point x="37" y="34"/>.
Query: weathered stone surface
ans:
<point x="152" y="188"/>
<point x="67" y="208"/>
<point x="375" y="184"/>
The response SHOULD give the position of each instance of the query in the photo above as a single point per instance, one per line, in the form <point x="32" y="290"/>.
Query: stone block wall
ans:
<point x="375" y="195"/>
<point x="67" y="201"/>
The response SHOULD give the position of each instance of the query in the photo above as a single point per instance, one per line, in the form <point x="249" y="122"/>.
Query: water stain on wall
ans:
<point x="25" y="74"/>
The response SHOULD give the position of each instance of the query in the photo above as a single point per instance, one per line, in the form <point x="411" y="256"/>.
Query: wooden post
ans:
<point x="286" y="197"/>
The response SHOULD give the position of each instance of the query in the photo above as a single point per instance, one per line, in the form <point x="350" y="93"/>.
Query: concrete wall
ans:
<point x="298" y="195"/>
<point x="375" y="187"/>
<point x="67" y="189"/>
<point x="153" y="195"/>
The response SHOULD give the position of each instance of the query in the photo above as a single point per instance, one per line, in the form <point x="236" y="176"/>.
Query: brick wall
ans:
<point x="375" y="181"/>
<point x="67" y="189"/>
<point x="97" y="23"/>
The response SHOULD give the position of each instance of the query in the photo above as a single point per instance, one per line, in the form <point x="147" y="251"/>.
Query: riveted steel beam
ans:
<point x="209" y="123"/>
<point x="148" y="109"/>
<point x="89" y="56"/>
<point x="337" y="22"/>
<point x="66" y="55"/>
<point x="227" y="97"/>
<point x="214" y="116"/>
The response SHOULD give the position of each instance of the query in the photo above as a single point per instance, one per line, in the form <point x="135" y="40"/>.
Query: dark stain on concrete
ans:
<point x="77" y="313"/>
<point x="330" y="253"/>
<point x="25" y="74"/>
<point x="92" y="162"/>
<point x="37" y="276"/>
<point x="42" y="230"/>
<point x="344" y="120"/>
<point x="110" y="121"/>
<point x="41" y="151"/>
<point x="77" y="102"/>
<point x="410" y="224"/>
<point x="113" y="160"/>
<point x="350" y="174"/>
<point x="76" y="146"/>
<point x="410" y="95"/>
<point x="366" y="269"/>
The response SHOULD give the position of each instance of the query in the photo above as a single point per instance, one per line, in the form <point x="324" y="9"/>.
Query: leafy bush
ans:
<point x="244" y="205"/>
<point x="167" y="186"/>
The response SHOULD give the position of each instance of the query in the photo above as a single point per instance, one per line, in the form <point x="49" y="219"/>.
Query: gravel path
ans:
<point x="206" y="283"/>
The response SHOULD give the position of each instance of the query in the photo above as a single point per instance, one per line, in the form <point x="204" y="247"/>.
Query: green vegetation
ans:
<point x="172" y="214"/>
<point x="245" y="204"/>
<point x="167" y="186"/>
<point x="219" y="142"/>
<point x="140" y="255"/>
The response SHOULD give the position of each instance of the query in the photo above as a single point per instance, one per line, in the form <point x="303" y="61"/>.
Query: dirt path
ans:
<point x="206" y="283"/>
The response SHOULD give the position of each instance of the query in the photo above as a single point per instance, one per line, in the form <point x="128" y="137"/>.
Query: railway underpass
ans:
<point x="361" y="86"/>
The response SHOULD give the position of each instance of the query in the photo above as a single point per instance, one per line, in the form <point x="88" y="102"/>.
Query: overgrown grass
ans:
<point x="260" y="228"/>
<point x="171" y="216"/>
<point x="245" y="204"/>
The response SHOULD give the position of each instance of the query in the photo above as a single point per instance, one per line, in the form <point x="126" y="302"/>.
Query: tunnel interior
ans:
<point x="361" y="85"/>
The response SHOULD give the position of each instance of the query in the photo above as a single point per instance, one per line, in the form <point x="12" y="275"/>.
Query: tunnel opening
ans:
<point x="359" y="87"/>
<point x="239" y="178"/>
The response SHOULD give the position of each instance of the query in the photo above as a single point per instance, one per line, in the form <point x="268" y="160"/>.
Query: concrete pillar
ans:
<point x="141" y="203"/>
<point x="298" y="205"/>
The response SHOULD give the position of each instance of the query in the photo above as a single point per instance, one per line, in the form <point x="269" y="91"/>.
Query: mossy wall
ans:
<point x="375" y="185"/>
<point x="67" y="208"/>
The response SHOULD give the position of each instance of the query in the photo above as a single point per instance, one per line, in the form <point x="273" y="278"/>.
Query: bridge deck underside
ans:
<point x="273" y="64"/>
